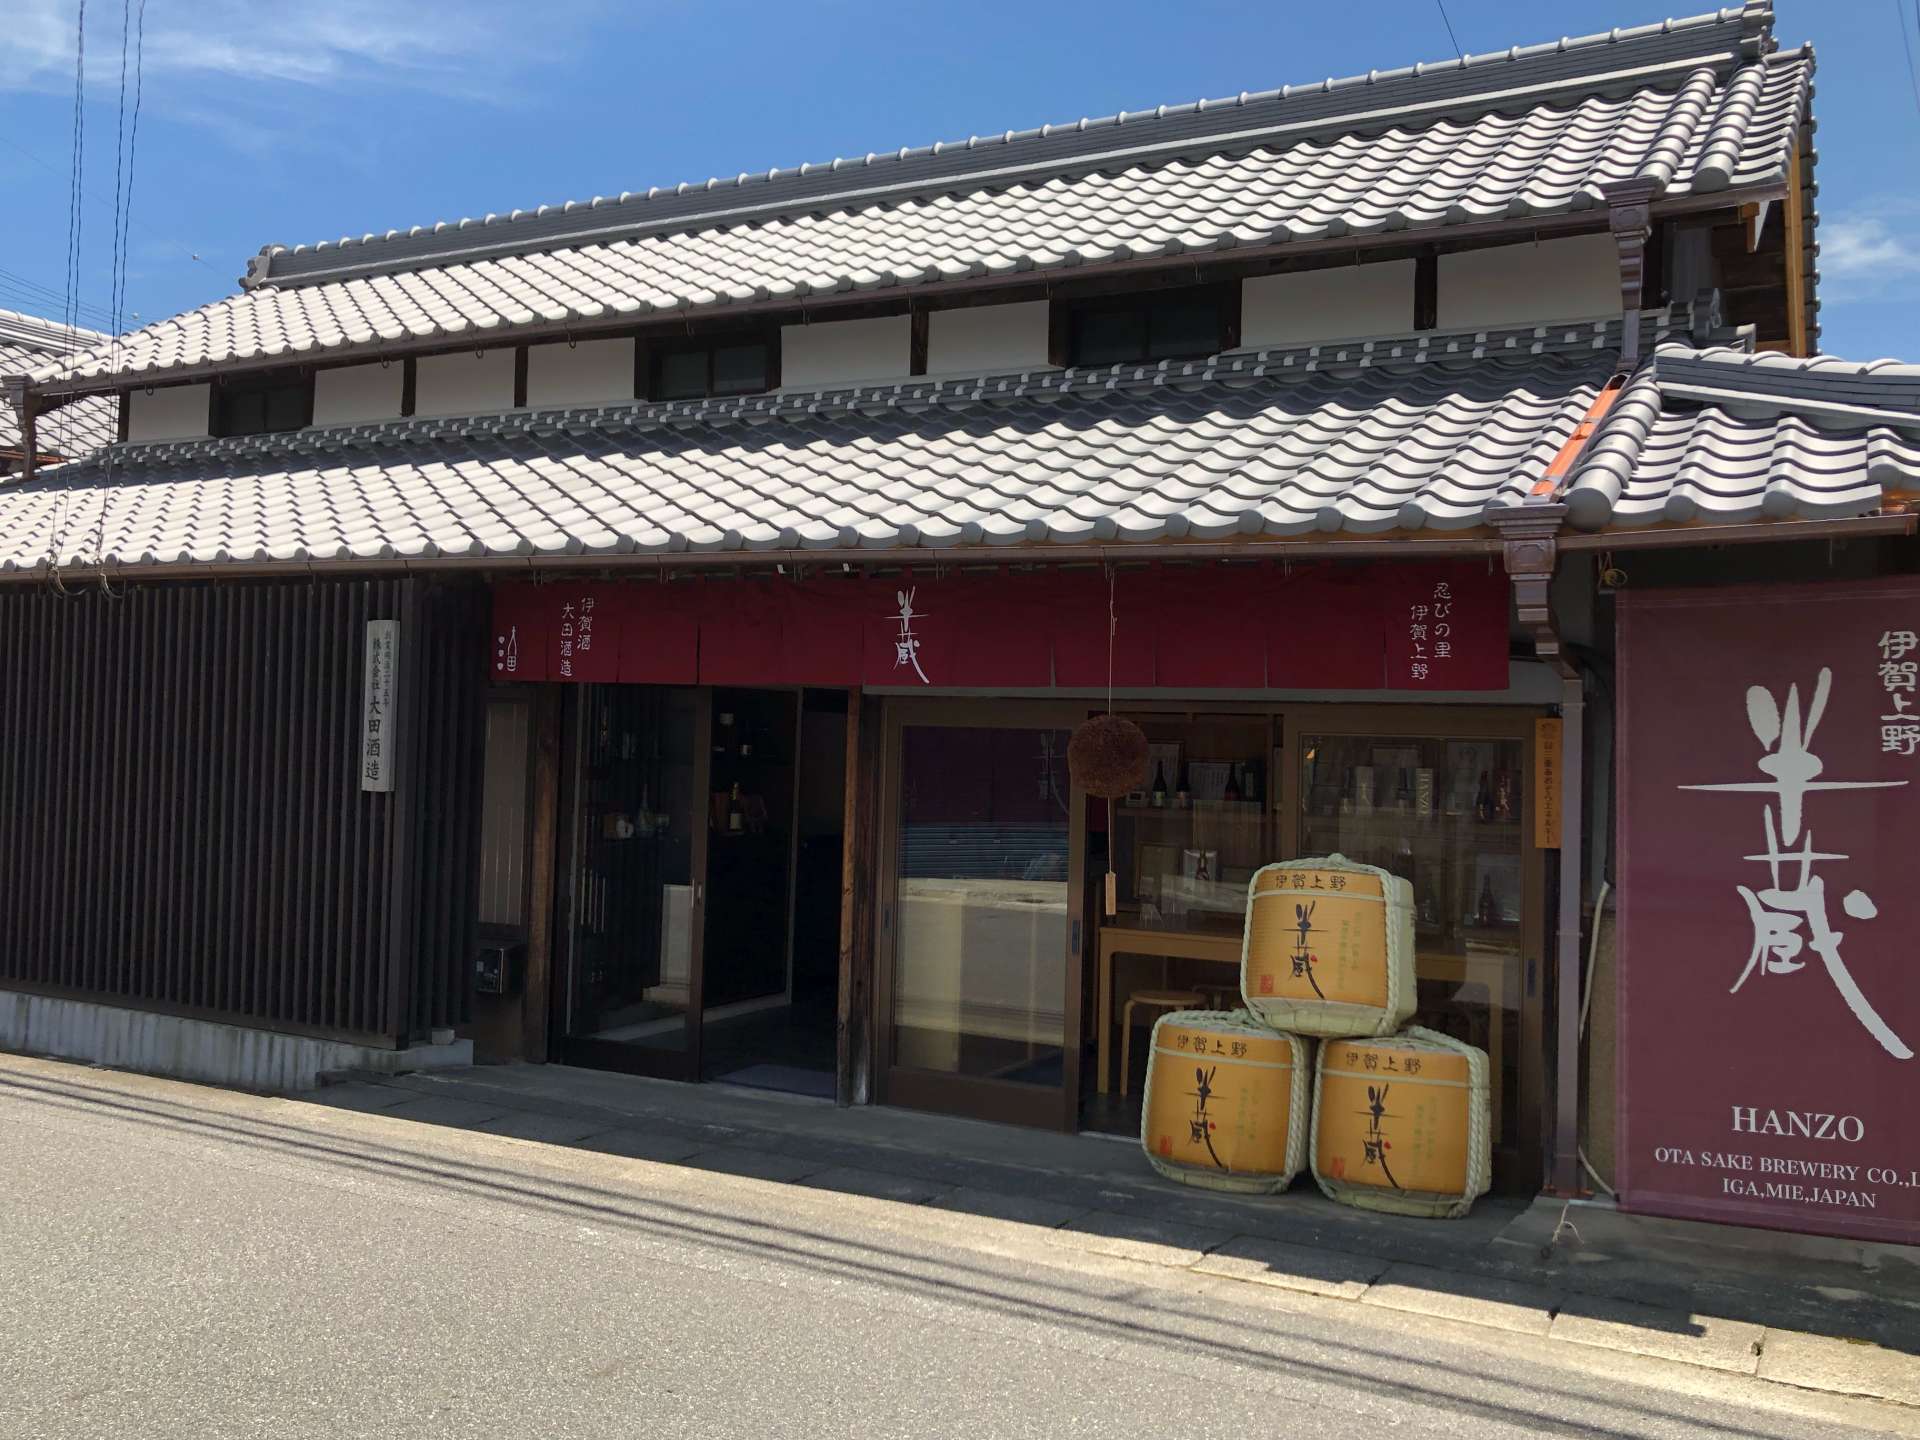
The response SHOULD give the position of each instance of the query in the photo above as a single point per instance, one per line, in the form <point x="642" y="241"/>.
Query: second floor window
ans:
<point x="1152" y="325"/>
<point x="262" y="406"/>
<point x="723" y="366"/>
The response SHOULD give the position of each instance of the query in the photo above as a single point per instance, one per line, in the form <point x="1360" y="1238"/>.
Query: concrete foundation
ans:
<point x="232" y="1055"/>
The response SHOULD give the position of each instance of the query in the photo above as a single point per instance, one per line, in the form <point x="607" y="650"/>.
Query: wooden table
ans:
<point x="1115" y="940"/>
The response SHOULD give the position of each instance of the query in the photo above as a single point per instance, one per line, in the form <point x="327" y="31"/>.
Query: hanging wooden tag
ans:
<point x="1113" y="894"/>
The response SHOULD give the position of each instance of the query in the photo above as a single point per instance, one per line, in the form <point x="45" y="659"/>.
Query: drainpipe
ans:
<point x="1528" y="532"/>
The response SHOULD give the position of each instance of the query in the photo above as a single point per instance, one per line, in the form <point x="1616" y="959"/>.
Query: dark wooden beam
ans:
<point x="917" y="340"/>
<point x="536" y="996"/>
<point x="859" y="887"/>
<point x="519" y="377"/>
<point x="1426" y="289"/>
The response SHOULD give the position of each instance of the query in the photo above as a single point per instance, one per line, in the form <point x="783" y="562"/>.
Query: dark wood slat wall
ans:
<point x="182" y="827"/>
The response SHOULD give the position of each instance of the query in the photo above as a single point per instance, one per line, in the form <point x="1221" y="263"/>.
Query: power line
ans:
<point x="1900" y="23"/>
<point x="1456" y="39"/>
<point x="52" y="169"/>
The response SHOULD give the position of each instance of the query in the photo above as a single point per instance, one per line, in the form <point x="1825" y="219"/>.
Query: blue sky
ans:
<point x="300" y="122"/>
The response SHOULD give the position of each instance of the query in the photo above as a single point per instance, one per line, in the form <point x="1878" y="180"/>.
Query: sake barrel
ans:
<point x="1226" y="1102"/>
<point x="1402" y="1123"/>
<point x="1328" y="948"/>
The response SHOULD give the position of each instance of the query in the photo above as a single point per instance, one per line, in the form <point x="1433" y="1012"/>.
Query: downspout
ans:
<point x="1529" y="535"/>
<point x="1531" y="557"/>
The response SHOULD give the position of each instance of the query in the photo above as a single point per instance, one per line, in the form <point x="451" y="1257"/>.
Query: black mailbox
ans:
<point x="497" y="968"/>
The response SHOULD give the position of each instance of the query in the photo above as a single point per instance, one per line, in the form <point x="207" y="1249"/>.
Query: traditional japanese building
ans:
<point x="67" y="432"/>
<point x="645" y="632"/>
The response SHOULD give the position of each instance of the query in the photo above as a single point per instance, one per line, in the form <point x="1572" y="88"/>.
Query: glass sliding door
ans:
<point x="980" y="963"/>
<point x="633" y="994"/>
<point x="1443" y="799"/>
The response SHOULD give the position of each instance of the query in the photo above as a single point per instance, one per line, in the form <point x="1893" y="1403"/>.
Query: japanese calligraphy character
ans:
<point x="1796" y="894"/>
<point x="906" y="646"/>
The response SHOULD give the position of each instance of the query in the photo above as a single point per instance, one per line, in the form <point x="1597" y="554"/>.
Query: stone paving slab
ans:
<point x="1476" y="1299"/>
<point x="1292" y="1267"/>
<point x="359" y="1095"/>
<point x="994" y="1205"/>
<point x="446" y="1110"/>
<point x="641" y="1145"/>
<point x="1846" y="1367"/>
<point x="754" y="1164"/>
<point x="878" y="1186"/>
<point x="1732" y="1345"/>
<point x="547" y="1129"/>
<point x="1128" y="1238"/>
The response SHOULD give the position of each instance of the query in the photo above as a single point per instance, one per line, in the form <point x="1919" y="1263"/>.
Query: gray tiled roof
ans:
<point x="1419" y="433"/>
<point x="26" y="342"/>
<point x="1696" y="106"/>
<point x="1725" y="436"/>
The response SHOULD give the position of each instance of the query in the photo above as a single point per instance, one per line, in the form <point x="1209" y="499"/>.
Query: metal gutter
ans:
<point x="661" y="564"/>
<point x="1681" y="537"/>
<point x="1476" y="543"/>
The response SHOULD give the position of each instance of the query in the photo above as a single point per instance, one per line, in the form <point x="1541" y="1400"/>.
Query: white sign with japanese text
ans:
<point x="376" y="707"/>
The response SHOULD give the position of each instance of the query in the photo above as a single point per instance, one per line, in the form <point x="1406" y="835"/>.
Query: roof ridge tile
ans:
<point x="1751" y="23"/>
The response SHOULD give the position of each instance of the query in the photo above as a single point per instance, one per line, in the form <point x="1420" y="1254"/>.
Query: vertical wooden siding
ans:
<point x="181" y="821"/>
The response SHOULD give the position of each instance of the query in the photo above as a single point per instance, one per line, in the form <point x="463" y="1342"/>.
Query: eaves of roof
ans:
<point x="1416" y="444"/>
<point x="1455" y="89"/>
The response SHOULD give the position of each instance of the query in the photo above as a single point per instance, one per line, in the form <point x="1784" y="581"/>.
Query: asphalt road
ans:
<point x="177" y="1261"/>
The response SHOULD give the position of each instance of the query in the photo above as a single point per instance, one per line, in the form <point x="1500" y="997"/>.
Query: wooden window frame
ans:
<point x="649" y="356"/>
<point x="1065" y="314"/>
<point x="223" y="391"/>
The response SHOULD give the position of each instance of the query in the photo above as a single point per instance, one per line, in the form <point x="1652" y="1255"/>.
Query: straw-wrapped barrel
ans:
<point x="1328" y="949"/>
<point x="1226" y="1102"/>
<point x="1402" y="1124"/>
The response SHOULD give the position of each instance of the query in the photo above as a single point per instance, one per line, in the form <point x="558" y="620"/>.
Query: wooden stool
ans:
<point x="1159" y="1000"/>
<point x="1221" y="997"/>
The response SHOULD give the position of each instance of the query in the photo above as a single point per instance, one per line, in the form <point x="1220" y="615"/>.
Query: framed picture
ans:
<point x="1208" y="778"/>
<point x="1154" y="863"/>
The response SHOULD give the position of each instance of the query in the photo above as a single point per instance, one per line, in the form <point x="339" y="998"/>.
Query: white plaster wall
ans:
<point x="349" y="393"/>
<point x="203" y="1050"/>
<point x="173" y="412"/>
<point x="845" y="352"/>
<point x="588" y="372"/>
<point x="1574" y="278"/>
<point x="987" y="337"/>
<point x="464" y="383"/>
<point x="1341" y="303"/>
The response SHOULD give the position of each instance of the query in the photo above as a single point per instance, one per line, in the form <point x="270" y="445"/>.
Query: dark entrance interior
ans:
<point x="705" y="912"/>
<point x="778" y="791"/>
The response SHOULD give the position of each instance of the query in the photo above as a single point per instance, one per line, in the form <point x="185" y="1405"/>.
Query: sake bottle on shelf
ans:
<point x="1159" y="796"/>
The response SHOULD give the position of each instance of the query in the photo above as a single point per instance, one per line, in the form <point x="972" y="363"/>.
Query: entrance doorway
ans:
<point x="703" y="935"/>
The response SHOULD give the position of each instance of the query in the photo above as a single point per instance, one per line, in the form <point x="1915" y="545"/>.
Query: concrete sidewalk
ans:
<point x="1822" y="1315"/>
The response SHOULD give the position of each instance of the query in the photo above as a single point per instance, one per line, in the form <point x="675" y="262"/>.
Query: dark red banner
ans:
<point x="1769" y="816"/>
<point x="1241" y="627"/>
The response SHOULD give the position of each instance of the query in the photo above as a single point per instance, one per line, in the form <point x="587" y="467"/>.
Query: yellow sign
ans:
<point x="1546" y="783"/>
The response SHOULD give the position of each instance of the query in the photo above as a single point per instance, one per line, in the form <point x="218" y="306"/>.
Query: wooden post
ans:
<point x="536" y="996"/>
<point x="859" y="884"/>
<point x="1796" y="258"/>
